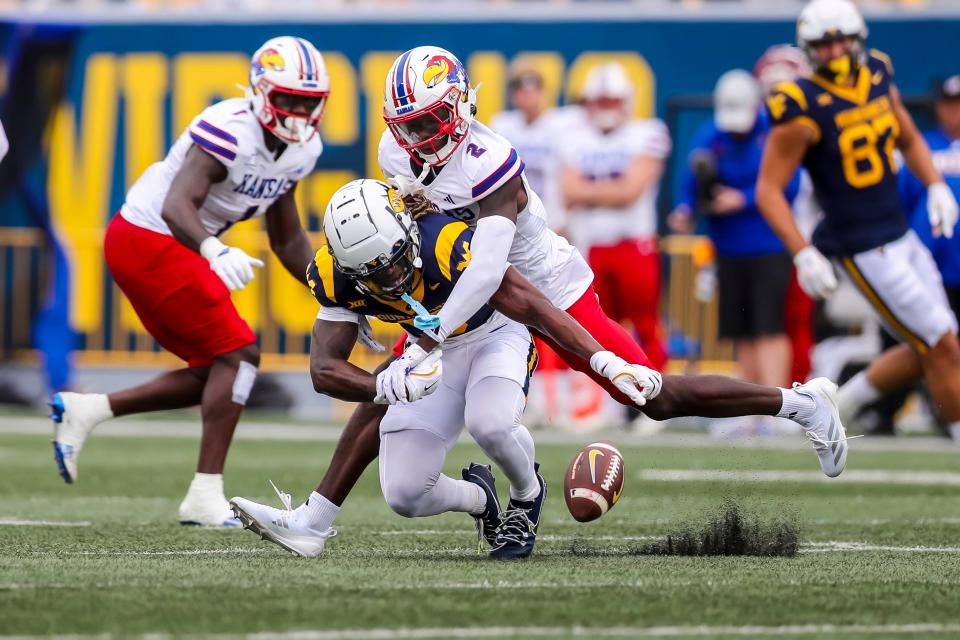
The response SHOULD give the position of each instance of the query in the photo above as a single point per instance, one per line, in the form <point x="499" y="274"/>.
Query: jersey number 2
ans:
<point x="858" y="144"/>
<point x="475" y="151"/>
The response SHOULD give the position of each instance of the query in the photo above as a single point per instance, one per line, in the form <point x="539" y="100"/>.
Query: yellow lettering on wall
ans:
<point x="639" y="72"/>
<point x="373" y="70"/>
<point x="78" y="185"/>
<point x="490" y="69"/>
<point x="341" y="118"/>
<point x="291" y="305"/>
<point x="144" y="86"/>
<point x="200" y="79"/>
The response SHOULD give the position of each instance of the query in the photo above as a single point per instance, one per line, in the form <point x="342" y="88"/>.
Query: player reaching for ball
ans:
<point x="379" y="263"/>
<point x="239" y="159"/>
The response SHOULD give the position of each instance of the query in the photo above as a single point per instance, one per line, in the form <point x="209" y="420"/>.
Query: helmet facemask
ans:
<point x="431" y="135"/>
<point x="293" y="115"/>
<point x="389" y="276"/>
<point x="838" y="70"/>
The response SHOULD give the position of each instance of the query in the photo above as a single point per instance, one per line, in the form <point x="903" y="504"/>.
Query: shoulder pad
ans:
<point x="221" y="131"/>
<point x="786" y="101"/>
<point x="877" y="56"/>
<point x="489" y="162"/>
<point x="320" y="277"/>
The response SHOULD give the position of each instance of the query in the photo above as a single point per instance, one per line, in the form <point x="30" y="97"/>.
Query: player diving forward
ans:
<point x="376" y="256"/>
<point x="843" y="123"/>
<point x="239" y="159"/>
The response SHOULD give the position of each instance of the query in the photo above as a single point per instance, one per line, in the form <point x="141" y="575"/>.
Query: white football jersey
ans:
<point x="483" y="163"/>
<point x="597" y="156"/>
<point x="230" y="132"/>
<point x="538" y="143"/>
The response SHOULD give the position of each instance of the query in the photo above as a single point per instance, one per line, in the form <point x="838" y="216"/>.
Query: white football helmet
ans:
<point x="608" y="96"/>
<point x="826" y="20"/>
<point x="372" y="238"/>
<point x="428" y="103"/>
<point x="289" y="87"/>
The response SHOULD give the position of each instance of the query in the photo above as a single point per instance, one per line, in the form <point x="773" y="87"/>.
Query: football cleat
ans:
<point x="74" y="417"/>
<point x="207" y="511"/>
<point x="823" y="426"/>
<point x="488" y="521"/>
<point x="517" y="532"/>
<point x="285" y="527"/>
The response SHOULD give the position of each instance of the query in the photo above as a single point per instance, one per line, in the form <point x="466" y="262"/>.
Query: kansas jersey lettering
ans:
<point x="230" y="132"/>
<point x="851" y="161"/>
<point x="445" y="251"/>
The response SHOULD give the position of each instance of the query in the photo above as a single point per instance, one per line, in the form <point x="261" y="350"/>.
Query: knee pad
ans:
<point x="243" y="382"/>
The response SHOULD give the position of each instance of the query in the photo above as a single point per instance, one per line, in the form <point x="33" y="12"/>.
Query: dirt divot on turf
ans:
<point x="728" y="531"/>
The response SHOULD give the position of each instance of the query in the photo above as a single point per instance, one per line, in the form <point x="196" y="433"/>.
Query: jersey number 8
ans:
<point x="858" y="144"/>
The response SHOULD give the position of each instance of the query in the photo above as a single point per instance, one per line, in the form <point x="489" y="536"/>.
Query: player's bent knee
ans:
<point x="945" y="353"/>
<point x="405" y="498"/>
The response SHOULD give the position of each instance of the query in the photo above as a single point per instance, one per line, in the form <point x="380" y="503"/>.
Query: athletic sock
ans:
<point x="527" y="493"/>
<point x="99" y="407"/>
<point x="954" y="430"/>
<point x="320" y="512"/>
<point x="796" y="406"/>
<point x="856" y="393"/>
<point x="472" y="498"/>
<point x="206" y="483"/>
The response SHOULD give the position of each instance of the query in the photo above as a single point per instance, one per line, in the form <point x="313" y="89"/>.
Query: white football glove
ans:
<point x="231" y="264"/>
<point x="392" y="381"/>
<point x="424" y="378"/>
<point x="409" y="186"/>
<point x="815" y="272"/>
<point x="365" y="335"/>
<point x="941" y="209"/>
<point x="637" y="382"/>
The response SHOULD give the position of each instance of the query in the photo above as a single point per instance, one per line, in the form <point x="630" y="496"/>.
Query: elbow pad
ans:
<point x="489" y="250"/>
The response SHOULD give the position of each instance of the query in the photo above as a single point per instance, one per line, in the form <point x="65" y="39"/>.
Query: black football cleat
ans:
<point x="517" y="532"/>
<point x="488" y="521"/>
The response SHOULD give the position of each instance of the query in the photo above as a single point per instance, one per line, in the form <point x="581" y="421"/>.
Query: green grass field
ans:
<point x="878" y="559"/>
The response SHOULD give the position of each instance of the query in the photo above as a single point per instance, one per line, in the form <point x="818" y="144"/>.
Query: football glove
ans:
<point x="814" y="272"/>
<point x="231" y="264"/>
<point x="637" y="382"/>
<point x="941" y="209"/>
<point x="392" y="387"/>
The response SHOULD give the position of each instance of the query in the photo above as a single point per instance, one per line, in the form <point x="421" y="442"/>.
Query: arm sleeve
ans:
<point x="482" y="275"/>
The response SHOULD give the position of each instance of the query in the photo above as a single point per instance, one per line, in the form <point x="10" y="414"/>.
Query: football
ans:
<point x="594" y="481"/>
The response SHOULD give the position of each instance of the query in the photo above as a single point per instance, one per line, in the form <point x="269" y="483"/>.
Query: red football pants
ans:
<point x="627" y="279"/>
<point x="799" y="328"/>
<point x="178" y="298"/>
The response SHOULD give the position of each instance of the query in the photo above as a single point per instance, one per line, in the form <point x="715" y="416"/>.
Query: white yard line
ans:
<point x="871" y="476"/>
<point x="326" y="432"/>
<point x="13" y="522"/>
<point x="426" y="633"/>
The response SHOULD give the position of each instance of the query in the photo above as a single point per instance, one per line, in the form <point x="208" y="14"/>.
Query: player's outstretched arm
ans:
<point x="288" y="239"/>
<point x="519" y="300"/>
<point x="489" y="248"/>
<point x="331" y="373"/>
<point x="188" y="190"/>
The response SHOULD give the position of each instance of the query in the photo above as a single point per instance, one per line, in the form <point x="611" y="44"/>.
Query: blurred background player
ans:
<point x="239" y="159"/>
<point x="753" y="267"/>
<point x="612" y="167"/>
<point x="843" y="124"/>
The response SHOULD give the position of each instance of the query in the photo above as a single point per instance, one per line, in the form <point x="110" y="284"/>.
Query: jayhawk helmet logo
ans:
<point x="438" y="69"/>
<point x="269" y="59"/>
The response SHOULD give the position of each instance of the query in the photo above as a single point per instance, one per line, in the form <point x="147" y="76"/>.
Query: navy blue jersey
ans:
<point x="851" y="161"/>
<point x="445" y="251"/>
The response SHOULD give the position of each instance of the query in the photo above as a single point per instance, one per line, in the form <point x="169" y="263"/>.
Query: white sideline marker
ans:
<point x="872" y="476"/>
<point x="14" y="522"/>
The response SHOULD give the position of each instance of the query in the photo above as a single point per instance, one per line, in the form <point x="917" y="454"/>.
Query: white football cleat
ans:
<point x="823" y="426"/>
<point x="74" y="417"/>
<point x="207" y="511"/>
<point x="283" y="527"/>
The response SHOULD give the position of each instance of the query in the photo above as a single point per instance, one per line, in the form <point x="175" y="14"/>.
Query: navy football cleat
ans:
<point x="488" y="521"/>
<point x="517" y="532"/>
